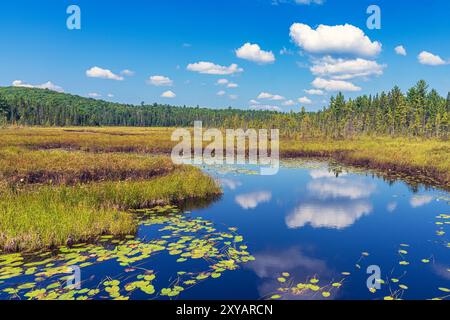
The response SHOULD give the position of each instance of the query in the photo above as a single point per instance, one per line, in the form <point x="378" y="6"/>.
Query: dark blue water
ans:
<point x="305" y="223"/>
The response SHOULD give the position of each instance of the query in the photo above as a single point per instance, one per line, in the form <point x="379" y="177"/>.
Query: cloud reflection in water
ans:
<point x="252" y="200"/>
<point x="333" y="202"/>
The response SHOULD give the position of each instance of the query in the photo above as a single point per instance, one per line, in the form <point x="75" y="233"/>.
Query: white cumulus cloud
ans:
<point x="269" y="96"/>
<point x="314" y="92"/>
<point x="342" y="69"/>
<point x="304" y="100"/>
<point x="253" y="52"/>
<point x="334" y="85"/>
<point x="97" y="72"/>
<point x="344" y="39"/>
<point x="266" y="107"/>
<point x="430" y="59"/>
<point x="47" y="85"/>
<point x="221" y="93"/>
<point x="212" y="68"/>
<point x="168" y="94"/>
<point x="222" y="82"/>
<point x="127" y="72"/>
<point x="400" y="50"/>
<point x="160" y="81"/>
<point x="289" y="103"/>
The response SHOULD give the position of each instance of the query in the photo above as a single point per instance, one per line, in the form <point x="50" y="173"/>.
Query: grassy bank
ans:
<point x="20" y="166"/>
<point x="47" y="216"/>
<point x="427" y="159"/>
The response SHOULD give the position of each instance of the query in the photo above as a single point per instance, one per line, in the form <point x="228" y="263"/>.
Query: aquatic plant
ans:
<point x="210" y="252"/>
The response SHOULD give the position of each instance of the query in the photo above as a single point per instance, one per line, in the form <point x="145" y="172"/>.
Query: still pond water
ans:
<point x="309" y="232"/>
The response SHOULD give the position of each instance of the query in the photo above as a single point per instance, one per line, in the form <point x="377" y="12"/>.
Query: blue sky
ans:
<point x="166" y="40"/>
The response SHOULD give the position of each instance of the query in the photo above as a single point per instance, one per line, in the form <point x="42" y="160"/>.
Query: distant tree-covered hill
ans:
<point x="419" y="112"/>
<point x="31" y="106"/>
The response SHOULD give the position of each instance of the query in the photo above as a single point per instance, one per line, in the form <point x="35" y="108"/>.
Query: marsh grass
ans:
<point x="22" y="166"/>
<point x="48" y="216"/>
<point x="429" y="158"/>
<point x="424" y="159"/>
<point x="111" y="139"/>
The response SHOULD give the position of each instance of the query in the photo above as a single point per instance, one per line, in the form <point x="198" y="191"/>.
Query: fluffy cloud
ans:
<point x="314" y="92"/>
<point x="48" y="85"/>
<point x="94" y="95"/>
<point x="233" y="96"/>
<point x="168" y="94"/>
<point x="334" y="85"/>
<point x="222" y="82"/>
<point x="304" y="100"/>
<point x="400" y="50"/>
<point x="212" y="68"/>
<point x="265" y="107"/>
<point x="160" y="81"/>
<point x="269" y="96"/>
<point x="430" y="59"/>
<point x="341" y="69"/>
<point x="128" y="73"/>
<point x="345" y="39"/>
<point x="229" y="84"/>
<point x="221" y="93"/>
<point x="289" y="103"/>
<point x="254" y="53"/>
<point x="97" y="72"/>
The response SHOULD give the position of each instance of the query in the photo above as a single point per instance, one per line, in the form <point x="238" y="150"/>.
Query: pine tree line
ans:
<point x="419" y="112"/>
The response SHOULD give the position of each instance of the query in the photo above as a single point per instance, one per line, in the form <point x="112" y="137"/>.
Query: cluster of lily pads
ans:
<point x="46" y="275"/>
<point x="311" y="288"/>
<point x="396" y="284"/>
